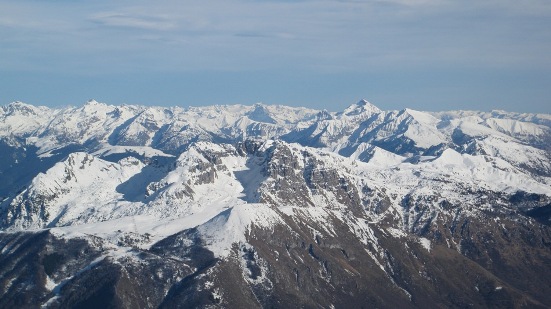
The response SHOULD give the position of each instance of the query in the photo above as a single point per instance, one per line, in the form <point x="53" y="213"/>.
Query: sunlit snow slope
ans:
<point x="270" y="194"/>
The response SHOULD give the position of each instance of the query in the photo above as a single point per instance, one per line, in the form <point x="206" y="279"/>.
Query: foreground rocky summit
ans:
<point x="273" y="206"/>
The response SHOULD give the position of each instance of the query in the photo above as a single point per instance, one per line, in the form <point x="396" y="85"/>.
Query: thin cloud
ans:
<point x="415" y="2"/>
<point x="352" y="35"/>
<point x="280" y="35"/>
<point x="314" y="36"/>
<point x="125" y="20"/>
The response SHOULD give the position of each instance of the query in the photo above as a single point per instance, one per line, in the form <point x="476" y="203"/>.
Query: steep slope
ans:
<point x="411" y="133"/>
<point x="271" y="206"/>
<point x="68" y="191"/>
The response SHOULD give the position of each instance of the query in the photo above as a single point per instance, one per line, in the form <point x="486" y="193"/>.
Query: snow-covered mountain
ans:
<point x="163" y="207"/>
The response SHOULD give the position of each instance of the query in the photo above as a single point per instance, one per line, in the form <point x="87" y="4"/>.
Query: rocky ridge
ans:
<point x="163" y="207"/>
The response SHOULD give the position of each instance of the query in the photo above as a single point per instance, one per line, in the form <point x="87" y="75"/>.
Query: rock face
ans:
<point x="271" y="206"/>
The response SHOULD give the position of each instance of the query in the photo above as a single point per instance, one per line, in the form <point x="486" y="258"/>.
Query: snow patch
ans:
<point x="396" y="233"/>
<point x="233" y="226"/>
<point x="426" y="243"/>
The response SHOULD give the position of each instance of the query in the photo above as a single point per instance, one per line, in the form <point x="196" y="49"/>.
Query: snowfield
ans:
<point x="141" y="174"/>
<point x="271" y="188"/>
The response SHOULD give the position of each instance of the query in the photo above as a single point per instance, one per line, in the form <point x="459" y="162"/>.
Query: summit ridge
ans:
<point x="293" y="206"/>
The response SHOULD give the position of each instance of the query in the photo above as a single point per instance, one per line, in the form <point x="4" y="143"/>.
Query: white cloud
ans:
<point x="114" y="19"/>
<point x="329" y="34"/>
<point x="415" y="2"/>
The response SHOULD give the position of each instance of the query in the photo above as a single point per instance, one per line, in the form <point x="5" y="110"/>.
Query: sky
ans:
<point x="422" y="54"/>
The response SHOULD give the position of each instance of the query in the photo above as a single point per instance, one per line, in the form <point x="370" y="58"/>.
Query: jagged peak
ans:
<point x="324" y="115"/>
<point x="93" y="102"/>
<point x="18" y="103"/>
<point x="260" y="113"/>
<point x="363" y="102"/>
<point x="421" y="117"/>
<point x="79" y="156"/>
<point x="95" y="106"/>
<point x="21" y="108"/>
<point x="361" y="107"/>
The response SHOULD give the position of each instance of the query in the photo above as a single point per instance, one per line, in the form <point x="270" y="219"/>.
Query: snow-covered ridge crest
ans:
<point x="84" y="188"/>
<point x="224" y="169"/>
<point x="283" y="203"/>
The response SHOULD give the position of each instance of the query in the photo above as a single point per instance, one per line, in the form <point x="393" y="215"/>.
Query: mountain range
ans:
<point x="273" y="206"/>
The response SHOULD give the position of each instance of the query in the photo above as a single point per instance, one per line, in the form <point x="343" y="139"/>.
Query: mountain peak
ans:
<point x="363" y="102"/>
<point x="20" y="108"/>
<point x="323" y="115"/>
<point x="19" y="104"/>
<point x="261" y="113"/>
<point x="362" y="106"/>
<point x="92" y="102"/>
<point x="421" y="117"/>
<point x="368" y="207"/>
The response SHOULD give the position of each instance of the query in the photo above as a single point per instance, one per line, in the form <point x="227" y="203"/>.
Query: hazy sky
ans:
<point x="422" y="54"/>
